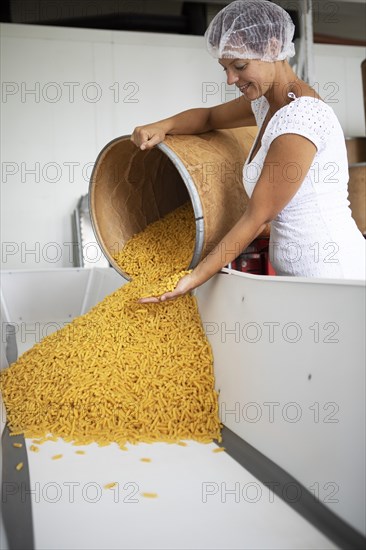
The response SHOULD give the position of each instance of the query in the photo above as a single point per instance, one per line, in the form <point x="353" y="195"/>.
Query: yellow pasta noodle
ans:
<point x="110" y="485"/>
<point x="124" y="371"/>
<point x="34" y="448"/>
<point x="19" y="466"/>
<point x="57" y="457"/>
<point x="18" y="445"/>
<point x="149" y="495"/>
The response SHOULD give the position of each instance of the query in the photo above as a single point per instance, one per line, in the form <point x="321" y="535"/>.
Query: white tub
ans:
<point x="289" y="363"/>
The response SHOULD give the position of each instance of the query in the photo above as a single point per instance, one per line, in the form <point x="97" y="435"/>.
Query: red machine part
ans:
<point x="255" y="259"/>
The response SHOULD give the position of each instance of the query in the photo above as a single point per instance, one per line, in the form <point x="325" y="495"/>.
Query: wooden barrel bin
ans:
<point x="356" y="152"/>
<point x="356" y="149"/>
<point x="130" y="188"/>
<point x="357" y="194"/>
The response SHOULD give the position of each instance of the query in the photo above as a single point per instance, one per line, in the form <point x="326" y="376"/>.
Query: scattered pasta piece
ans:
<point x="219" y="450"/>
<point x="52" y="438"/>
<point x="34" y="448"/>
<point x="19" y="466"/>
<point x="149" y="495"/>
<point x="182" y="443"/>
<point x="80" y="452"/>
<point x="56" y="457"/>
<point x="145" y="459"/>
<point x="110" y="485"/>
<point x="18" y="445"/>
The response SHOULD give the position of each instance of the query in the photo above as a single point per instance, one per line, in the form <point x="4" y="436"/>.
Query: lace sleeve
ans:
<point x="306" y="116"/>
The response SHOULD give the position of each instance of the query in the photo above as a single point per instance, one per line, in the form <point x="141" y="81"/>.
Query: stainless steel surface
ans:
<point x="87" y="252"/>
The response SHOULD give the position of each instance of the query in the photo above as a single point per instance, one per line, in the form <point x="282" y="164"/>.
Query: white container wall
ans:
<point x="289" y="364"/>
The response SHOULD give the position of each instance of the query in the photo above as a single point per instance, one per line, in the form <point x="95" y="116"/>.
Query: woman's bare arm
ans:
<point x="233" y="114"/>
<point x="288" y="161"/>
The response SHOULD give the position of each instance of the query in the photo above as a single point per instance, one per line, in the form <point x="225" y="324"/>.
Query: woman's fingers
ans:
<point x="147" y="137"/>
<point x="162" y="298"/>
<point x="151" y="141"/>
<point x="170" y="295"/>
<point x="149" y="300"/>
<point x="184" y="285"/>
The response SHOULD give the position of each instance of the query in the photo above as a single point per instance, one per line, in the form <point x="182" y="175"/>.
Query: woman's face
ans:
<point x="253" y="77"/>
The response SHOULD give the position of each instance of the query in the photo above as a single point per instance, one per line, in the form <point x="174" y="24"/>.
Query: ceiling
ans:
<point x="333" y="21"/>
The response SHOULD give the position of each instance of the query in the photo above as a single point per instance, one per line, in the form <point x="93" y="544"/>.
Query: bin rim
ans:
<point x="192" y="192"/>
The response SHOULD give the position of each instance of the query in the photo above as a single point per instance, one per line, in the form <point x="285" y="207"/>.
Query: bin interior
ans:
<point x="130" y="189"/>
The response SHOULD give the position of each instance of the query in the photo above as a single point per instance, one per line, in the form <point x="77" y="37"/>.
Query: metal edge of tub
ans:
<point x="284" y="485"/>
<point x="16" y="505"/>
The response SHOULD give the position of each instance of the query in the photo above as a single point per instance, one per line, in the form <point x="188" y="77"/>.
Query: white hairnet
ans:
<point x="251" y="29"/>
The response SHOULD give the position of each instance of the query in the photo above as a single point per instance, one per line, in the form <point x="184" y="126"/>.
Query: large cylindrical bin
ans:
<point x="356" y="152"/>
<point x="357" y="194"/>
<point x="130" y="188"/>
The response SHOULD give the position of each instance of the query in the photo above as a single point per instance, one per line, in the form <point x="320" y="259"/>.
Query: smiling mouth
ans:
<point x="244" y="87"/>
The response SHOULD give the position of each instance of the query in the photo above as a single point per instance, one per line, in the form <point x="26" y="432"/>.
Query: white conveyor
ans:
<point x="289" y="364"/>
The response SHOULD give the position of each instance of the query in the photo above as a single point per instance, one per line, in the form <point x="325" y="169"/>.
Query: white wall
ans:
<point x="90" y="86"/>
<point x="338" y="80"/>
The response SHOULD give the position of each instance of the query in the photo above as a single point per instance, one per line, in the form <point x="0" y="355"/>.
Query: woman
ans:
<point x="297" y="171"/>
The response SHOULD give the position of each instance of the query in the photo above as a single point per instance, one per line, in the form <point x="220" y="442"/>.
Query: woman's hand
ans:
<point x="185" y="285"/>
<point x="146" y="137"/>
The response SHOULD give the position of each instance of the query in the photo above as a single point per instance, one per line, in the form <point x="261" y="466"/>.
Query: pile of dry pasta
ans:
<point x="125" y="371"/>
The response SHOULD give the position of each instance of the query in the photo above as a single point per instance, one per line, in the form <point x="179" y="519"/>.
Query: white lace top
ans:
<point x="315" y="234"/>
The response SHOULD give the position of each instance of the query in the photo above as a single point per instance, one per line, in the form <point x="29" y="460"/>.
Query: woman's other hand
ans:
<point x="146" y="137"/>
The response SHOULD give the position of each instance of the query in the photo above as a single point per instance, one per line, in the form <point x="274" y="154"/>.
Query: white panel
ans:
<point x="166" y="80"/>
<point x="106" y="110"/>
<point x="48" y="295"/>
<point x="290" y="367"/>
<point x="101" y="283"/>
<point x="55" y="33"/>
<point x="50" y="138"/>
<point x="339" y="83"/>
<point x="38" y="303"/>
<point x="44" y="296"/>
<point x="354" y="94"/>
